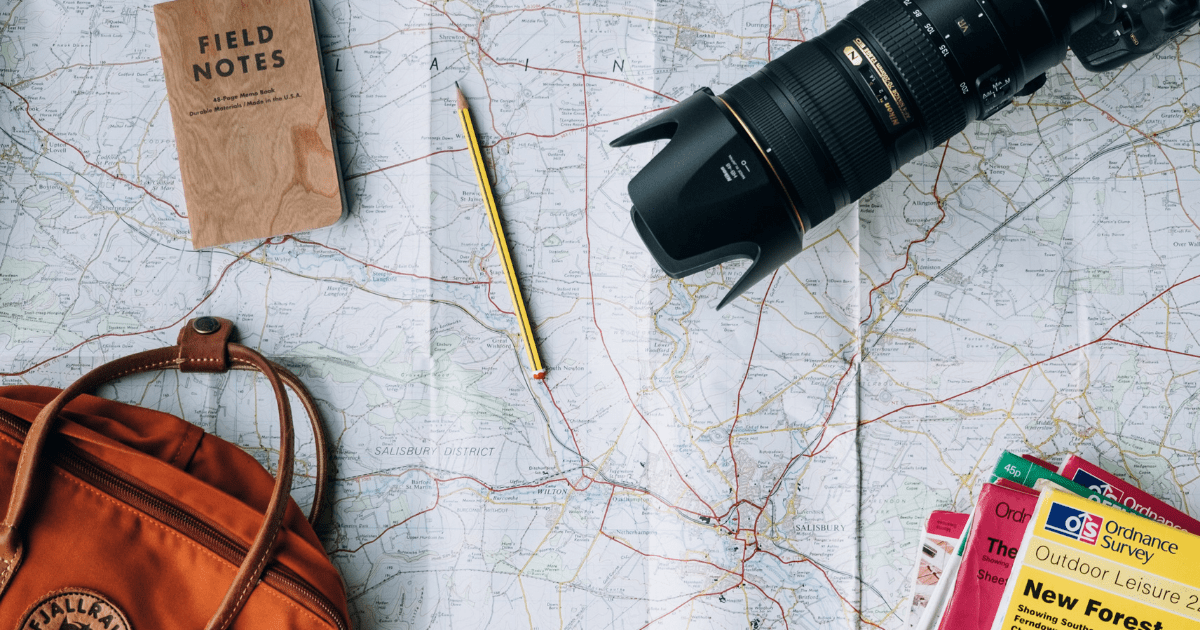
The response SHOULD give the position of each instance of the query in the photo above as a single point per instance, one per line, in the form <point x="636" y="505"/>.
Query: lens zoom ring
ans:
<point x="825" y="95"/>
<point x="938" y="99"/>
<point x="755" y="107"/>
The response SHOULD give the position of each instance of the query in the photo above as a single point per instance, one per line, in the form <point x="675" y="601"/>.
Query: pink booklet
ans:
<point x="1092" y="476"/>
<point x="1001" y="516"/>
<point x="938" y="543"/>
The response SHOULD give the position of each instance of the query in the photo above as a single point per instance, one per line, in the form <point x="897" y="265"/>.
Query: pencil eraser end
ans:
<point x="539" y="375"/>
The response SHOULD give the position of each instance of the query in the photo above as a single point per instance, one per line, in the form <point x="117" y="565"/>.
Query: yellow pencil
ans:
<point x="464" y="116"/>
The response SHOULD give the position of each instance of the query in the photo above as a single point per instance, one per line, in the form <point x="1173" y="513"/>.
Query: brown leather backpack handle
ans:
<point x="321" y="443"/>
<point x="321" y="486"/>
<point x="201" y="348"/>
<point x="189" y="351"/>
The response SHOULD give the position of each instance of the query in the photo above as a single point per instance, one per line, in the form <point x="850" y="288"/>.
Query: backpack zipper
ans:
<point x="118" y="485"/>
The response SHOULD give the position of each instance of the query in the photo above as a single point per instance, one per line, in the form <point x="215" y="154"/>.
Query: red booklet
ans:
<point x="1092" y="476"/>
<point x="1001" y="516"/>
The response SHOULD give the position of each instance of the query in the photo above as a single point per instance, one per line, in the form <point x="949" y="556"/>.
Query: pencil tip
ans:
<point x="462" y="100"/>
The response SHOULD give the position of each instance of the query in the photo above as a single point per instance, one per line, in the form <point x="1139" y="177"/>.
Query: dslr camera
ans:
<point x="747" y="172"/>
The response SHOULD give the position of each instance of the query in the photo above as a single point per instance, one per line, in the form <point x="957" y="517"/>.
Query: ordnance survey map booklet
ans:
<point x="1085" y="473"/>
<point x="999" y="522"/>
<point x="1087" y="566"/>
<point x="997" y="527"/>
<point x="938" y="543"/>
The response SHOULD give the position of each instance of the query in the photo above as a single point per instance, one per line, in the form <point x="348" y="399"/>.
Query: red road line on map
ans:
<point x="374" y="266"/>
<point x="782" y="612"/>
<point x="504" y="139"/>
<point x="832" y="406"/>
<point x="566" y="131"/>
<point x="330" y="51"/>
<point x="824" y="427"/>
<point x="584" y="74"/>
<point x="142" y="332"/>
<point x="29" y="113"/>
<point x="822" y="570"/>
<point x="686" y="602"/>
<point x="437" y="487"/>
<point x="86" y="65"/>
<point x="719" y="593"/>
<point x="840" y="596"/>
<point x="908" y="250"/>
<point x="592" y="288"/>
<point x="735" y="506"/>
<point x="607" y="505"/>
<point x="596" y="321"/>
<point x="770" y="27"/>
<point x="677" y="508"/>
<point x="490" y="280"/>
<point x="1101" y="339"/>
<point x="586" y="145"/>
<point x="643" y="493"/>
<point x="569" y="429"/>
<point x="487" y="87"/>
<point x="737" y="409"/>
<point x="580" y="74"/>
<point x="783" y="615"/>
<point x="423" y="157"/>
<point x="1151" y="137"/>
<point x="832" y="440"/>
<point x="654" y="555"/>
<point x="1167" y="350"/>
<point x="582" y="62"/>
<point x="564" y="480"/>
<point x="1175" y="174"/>
<point x="364" y="263"/>
<point x="489" y="488"/>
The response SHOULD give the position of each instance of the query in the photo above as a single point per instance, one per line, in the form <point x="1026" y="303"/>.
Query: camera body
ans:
<point x="749" y="171"/>
<point x="1130" y="30"/>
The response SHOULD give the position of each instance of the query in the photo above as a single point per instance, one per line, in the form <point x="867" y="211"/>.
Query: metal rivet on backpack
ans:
<point x="206" y="325"/>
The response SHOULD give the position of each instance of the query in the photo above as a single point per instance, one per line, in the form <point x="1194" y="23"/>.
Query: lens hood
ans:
<point x="710" y="196"/>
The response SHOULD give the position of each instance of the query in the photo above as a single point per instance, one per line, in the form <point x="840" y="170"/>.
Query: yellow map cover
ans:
<point x="1087" y="566"/>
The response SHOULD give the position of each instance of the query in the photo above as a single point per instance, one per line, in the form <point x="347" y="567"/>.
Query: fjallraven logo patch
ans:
<point x="74" y="609"/>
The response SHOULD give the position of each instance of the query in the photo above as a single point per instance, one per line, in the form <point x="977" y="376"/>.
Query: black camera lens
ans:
<point x="748" y="172"/>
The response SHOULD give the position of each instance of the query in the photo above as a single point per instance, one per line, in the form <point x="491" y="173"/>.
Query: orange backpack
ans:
<point x="124" y="518"/>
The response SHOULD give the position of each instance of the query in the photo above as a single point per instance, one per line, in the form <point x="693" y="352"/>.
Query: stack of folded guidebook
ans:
<point x="1076" y="548"/>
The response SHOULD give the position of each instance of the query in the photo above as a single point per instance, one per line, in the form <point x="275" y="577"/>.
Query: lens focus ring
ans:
<point x="826" y="97"/>
<point x="936" y="96"/>
<point x="767" y="121"/>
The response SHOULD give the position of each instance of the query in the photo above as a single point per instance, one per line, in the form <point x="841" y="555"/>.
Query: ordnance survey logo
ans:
<point x="1091" y="482"/>
<point x="74" y="609"/>
<point x="1074" y="524"/>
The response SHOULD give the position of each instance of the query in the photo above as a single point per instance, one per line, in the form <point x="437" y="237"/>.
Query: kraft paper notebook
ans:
<point x="251" y="116"/>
